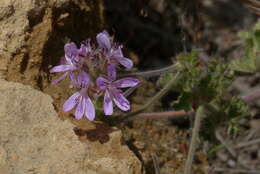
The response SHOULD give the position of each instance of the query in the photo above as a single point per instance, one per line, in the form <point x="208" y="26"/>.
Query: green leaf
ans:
<point x="183" y="102"/>
<point x="216" y="148"/>
<point x="244" y="66"/>
<point x="250" y="62"/>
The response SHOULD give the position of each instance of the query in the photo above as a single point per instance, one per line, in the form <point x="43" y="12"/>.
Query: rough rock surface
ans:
<point x="33" y="140"/>
<point x="33" y="33"/>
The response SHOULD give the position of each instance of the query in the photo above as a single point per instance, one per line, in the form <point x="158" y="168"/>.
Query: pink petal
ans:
<point x="70" y="49"/>
<point x="126" y="82"/>
<point x="80" y="108"/>
<point x="108" y="104"/>
<point x="111" y="72"/>
<point x="73" y="78"/>
<point x="57" y="80"/>
<point x="71" y="102"/>
<point x="89" y="109"/>
<point x="103" y="40"/>
<point x="120" y="101"/>
<point x="61" y="68"/>
<point x="83" y="80"/>
<point x="102" y="83"/>
<point x="125" y="62"/>
<point x="85" y="48"/>
<point x="83" y="51"/>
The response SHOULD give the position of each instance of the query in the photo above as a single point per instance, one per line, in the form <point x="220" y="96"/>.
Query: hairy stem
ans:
<point x="159" y="115"/>
<point x="152" y="73"/>
<point x="195" y="133"/>
<point x="157" y="97"/>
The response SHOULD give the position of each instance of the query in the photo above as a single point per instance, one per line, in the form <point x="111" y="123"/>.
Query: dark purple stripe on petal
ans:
<point x="102" y="83"/>
<point x="121" y="101"/>
<point x="111" y="72"/>
<point x="70" y="49"/>
<point x="83" y="80"/>
<point x="103" y="40"/>
<point x="71" y="102"/>
<point x="108" y="104"/>
<point x="127" y="63"/>
<point x="126" y="82"/>
<point x="80" y="108"/>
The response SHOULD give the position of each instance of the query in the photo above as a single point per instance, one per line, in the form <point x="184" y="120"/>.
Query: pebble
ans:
<point x="231" y="163"/>
<point x="139" y="145"/>
<point x="222" y="156"/>
<point x="179" y="156"/>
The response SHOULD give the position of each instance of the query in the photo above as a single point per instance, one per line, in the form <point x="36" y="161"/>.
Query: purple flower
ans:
<point x="90" y="62"/>
<point x="70" y="62"/>
<point x="85" y="48"/>
<point x="109" y="86"/>
<point x="112" y="52"/>
<point x="81" y="100"/>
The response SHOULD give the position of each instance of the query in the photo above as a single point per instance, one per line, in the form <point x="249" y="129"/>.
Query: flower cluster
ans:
<point x="92" y="69"/>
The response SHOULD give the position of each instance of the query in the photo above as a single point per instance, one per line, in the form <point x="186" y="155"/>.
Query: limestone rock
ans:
<point x="34" y="140"/>
<point x="33" y="33"/>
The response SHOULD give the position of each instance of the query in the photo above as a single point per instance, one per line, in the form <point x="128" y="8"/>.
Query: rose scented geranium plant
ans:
<point x="203" y="86"/>
<point x="92" y="69"/>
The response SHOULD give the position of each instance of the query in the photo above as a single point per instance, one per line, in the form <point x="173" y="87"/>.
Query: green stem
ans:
<point x="195" y="133"/>
<point x="152" y="73"/>
<point x="157" y="97"/>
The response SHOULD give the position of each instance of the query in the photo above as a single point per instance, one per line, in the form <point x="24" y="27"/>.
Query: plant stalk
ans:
<point x="160" y="115"/>
<point x="195" y="133"/>
<point x="152" y="73"/>
<point x="157" y="97"/>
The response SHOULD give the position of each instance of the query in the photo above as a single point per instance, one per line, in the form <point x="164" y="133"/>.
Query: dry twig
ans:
<point x="224" y="143"/>
<point x="248" y="143"/>
<point x="156" y="164"/>
<point x="227" y="170"/>
<point x="251" y="96"/>
<point x="254" y="6"/>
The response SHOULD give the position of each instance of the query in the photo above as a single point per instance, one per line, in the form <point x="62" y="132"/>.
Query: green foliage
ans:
<point x="250" y="63"/>
<point x="233" y="110"/>
<point x="164" y="79"/>
<point x="223" y="110"/>
<point x="183" y="102"/>
<point x="191" y="72"/>
<point x="200" y="84"/>
<point x="232" y="107"/>
<point x="215" y="149"/>
<point x="206" y="85"/>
